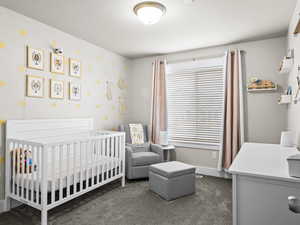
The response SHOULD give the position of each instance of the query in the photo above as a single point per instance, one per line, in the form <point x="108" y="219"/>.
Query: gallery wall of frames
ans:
<point x="35" y="85"/>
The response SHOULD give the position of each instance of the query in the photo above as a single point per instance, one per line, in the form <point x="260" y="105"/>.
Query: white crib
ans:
<point x="50" y="162"/>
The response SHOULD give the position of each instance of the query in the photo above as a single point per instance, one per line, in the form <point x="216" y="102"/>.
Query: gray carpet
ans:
<point x="136" y="205"/>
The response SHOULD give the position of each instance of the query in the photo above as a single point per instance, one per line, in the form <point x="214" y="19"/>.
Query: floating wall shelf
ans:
<point x="263" y="89"/>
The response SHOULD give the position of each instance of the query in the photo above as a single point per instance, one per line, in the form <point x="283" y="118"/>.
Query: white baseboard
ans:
<point x="2" y="205"/>
<point x="214" y="172"/>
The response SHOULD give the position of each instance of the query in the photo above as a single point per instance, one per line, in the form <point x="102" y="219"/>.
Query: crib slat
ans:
<point x="93" y="153"/>
<point x="53" y="183"/>
<point x="68" y="170"/>
<point x="60" y="172"/>
<point x="81" y="166"/>
<point x="112" y="159"/>
<point x="38" y="178"/>
<point x="22" y="170"/>
<point x="74" y="168"/>
<point x="14" y="149"/>
<point x="33" y="173"/>
<point x="18" y="169"/>
<point x="107" y="156"/>
<point x="27" y="171"/>
<point x="103" y="158"/>
<point x="118" y="155"/>
<point x="86" y="165"/>
<point x="97" y="156"/>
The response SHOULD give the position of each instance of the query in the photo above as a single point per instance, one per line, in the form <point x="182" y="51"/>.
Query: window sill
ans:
<point x="196" y="146"/>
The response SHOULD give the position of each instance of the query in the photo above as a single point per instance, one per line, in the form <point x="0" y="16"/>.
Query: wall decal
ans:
<point x="122" y="84"/>
<point x="90" y="68"/>
<point x="105" y="117"/>
<point x="21" y="69"/>
<point x="23" y="32"/>
<point x="57" y="89"/>
<point x="75" y="68"/>
<point x="2" y="44"/>
<point x="35" y="58"/>
<point x="57" y="63"/>
<point x="53" y="44"/>
<point x="2" y="83"/>
<point x="109" y="90"/>
<point x="22" y="103"/>
<point x="35" y="86"/>
<point x="74" y="91"/>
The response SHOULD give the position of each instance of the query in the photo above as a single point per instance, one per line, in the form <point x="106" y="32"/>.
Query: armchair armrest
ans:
<point x="158" y="149"/>
<point x="128" y="155"/>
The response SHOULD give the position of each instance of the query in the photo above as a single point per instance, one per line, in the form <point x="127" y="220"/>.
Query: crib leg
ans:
<point x="7" y="204"/>
<point x="123" y="181"/>
<point x="44" y="217"/>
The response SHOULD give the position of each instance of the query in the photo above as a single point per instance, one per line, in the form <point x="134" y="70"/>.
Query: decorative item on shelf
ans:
<point x="287" y="62"/>
<point x="34" y="86"/>
<point x="256" y="84"/>
<point x="287" y="97"/>
<point x="296" y="98"/>
<point x="57" y="63"/>
<point x="35" y="58"/>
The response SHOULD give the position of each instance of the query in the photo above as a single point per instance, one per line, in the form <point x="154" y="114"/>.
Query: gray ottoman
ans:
<point x="172" y="179"/>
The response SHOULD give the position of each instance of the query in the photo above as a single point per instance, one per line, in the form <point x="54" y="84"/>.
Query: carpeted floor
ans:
<point x="136" y="205"/>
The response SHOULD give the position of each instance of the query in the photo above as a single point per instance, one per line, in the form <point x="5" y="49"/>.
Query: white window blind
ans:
<point x="195" y="96"/>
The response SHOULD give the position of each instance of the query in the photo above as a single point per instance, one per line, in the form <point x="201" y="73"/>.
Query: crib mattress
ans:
<point x="63" y="176"/>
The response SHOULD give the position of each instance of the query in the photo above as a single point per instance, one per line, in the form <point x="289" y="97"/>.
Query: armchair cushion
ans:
<point x="144" y="158"/>
<point x="140" y="147"/>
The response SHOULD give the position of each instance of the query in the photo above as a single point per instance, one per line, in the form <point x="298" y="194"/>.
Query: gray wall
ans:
<point x="293" y="118"/>
<point x="265" y="119"/>
<point x="99" y="66"/>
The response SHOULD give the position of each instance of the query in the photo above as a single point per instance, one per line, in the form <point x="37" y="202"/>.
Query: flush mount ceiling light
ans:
<point x="149" y="12"/>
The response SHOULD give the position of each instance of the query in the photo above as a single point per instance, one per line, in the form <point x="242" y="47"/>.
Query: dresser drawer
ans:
<point x="261" y="201"/>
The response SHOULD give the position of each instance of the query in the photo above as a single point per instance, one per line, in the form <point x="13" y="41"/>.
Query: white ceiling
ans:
<point x="112" y="24"/>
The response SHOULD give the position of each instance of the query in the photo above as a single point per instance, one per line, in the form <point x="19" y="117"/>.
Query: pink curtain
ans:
<point x="158" y="121"/>
<point x="233" y="105"/>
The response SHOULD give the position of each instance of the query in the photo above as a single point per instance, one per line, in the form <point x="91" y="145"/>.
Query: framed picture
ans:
<point x="75" y="68"/>
<point x="34" y="86"/>
<point x="74" y="91"/>
<point x="57" y="64"/>
<point x="35" y="58"/>
<point x="57" y="89"/>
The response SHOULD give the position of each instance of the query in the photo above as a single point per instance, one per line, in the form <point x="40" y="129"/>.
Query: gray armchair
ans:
<point x="140" y="157"/>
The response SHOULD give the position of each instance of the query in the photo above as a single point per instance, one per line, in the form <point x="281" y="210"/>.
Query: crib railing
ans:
<point x="46" y="175"/>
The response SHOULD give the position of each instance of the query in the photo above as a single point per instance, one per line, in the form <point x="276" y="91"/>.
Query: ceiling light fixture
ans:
<point x="149" y="12"/>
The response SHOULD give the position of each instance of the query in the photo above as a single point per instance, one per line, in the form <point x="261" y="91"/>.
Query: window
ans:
<point x="195" y="94"/>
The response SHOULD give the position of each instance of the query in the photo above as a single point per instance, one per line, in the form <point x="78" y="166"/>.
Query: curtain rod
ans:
<point x="197" y="58"/>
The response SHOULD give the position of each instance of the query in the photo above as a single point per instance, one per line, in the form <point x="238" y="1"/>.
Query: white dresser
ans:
<point x="262" y="185"/>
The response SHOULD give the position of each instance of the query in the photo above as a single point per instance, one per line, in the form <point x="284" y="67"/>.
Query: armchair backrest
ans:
<point x="125" y="128"/>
